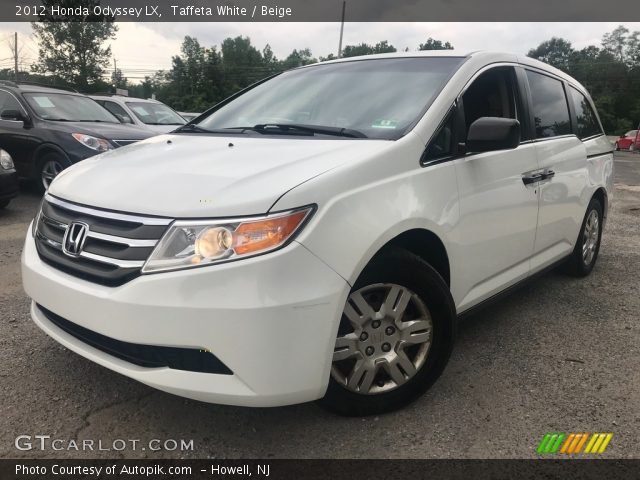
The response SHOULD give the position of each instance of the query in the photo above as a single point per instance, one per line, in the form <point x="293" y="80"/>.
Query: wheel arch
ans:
<point x="44" y="149"/>
<point x="603" y="198"/>
<point x="425" y="244"/>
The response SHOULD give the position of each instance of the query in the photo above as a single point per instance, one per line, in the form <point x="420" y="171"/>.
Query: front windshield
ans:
<point x="68" y="107"/>
<point x="155" y="113"/>
<point x="380" y="98"/>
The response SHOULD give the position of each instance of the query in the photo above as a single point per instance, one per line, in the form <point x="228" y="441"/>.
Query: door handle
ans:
<point x="547" y="174"/>
<point x="528" y="179"/>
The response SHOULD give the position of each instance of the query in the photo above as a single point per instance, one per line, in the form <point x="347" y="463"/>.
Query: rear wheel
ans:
<point x="585" y="253"/>
<point x="49" y="167"/>
<point x="394" y="339"/>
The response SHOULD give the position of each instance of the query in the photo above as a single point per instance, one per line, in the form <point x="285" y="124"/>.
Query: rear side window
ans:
<point x="586" y="121"/>
<point x="550" y="108"/>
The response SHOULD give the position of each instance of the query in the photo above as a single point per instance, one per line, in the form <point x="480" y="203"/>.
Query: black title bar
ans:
<point x="566" y="469"/>
<point x="328" y="10"/>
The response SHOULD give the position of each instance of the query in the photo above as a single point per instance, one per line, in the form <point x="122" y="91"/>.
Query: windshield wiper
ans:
<point x="192" y="128"/>
<point x="309" y="129"/>
<point x="96" y="121"/>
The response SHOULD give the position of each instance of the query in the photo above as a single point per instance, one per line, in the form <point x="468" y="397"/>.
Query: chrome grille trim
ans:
<point x="124" y="217"/>
<point x="130" y="242"/>
<point x="94" y="257"/>
<point x="116" y="245"/>
<point x="113" y="261"/>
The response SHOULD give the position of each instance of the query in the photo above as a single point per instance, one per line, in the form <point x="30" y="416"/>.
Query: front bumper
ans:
<point x="8" y="184"/>
<point x="272" y="320"/>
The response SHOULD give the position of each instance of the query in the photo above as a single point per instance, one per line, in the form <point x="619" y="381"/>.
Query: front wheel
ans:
<point x="49" y="167"/>
<point x="585" y="253"/>
<point x="395" y="336"/>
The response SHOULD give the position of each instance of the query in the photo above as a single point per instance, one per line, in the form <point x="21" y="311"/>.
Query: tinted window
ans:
<point x="117" y="110"/>
<point x="587" y="123"/>
<point x="380" y="98"/>
<point x="441" y="145"/>
<point x="8" y="102"/>
<point x="550" y="109"/>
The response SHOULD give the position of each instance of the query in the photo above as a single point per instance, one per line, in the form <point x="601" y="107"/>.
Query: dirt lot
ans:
<point x="559" y="355"/>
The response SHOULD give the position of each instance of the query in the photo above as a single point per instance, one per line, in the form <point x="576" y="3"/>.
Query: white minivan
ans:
<point x="316" y="236"/>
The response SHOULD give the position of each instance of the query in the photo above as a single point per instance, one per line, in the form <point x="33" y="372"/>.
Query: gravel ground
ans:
<point x="560" y="354"/>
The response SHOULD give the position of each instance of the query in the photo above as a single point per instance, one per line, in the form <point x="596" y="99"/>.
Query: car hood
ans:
<point x="184" y="175"/>
<point x="110" y="131"/>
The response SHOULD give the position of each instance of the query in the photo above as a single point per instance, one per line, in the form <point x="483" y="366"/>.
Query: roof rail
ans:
<point x="8" y="83"/>
<point x="46" y="85"/>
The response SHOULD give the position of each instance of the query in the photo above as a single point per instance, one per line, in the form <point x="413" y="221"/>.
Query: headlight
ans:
<point x="5" y="160"/>
<point x="94" y="143"/>
<point x="192" y="244"/>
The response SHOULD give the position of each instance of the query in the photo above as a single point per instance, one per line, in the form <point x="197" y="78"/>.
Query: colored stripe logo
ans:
<point x="574" y="443"/>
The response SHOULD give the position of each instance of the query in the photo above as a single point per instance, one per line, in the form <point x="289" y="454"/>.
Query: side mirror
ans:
<point x="14" y="115"/>
<point x="493" y="133"/>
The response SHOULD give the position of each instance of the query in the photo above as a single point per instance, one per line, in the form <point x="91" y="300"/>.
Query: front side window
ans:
<point x="155" y="113"/>
<point x="68" y="108"/>
<point x="117" y="111"/>
<point x="586" y="121"/>
<point x="550" y="108"/>
<point x="8" y="102"/>
<point x="380" y="98"/>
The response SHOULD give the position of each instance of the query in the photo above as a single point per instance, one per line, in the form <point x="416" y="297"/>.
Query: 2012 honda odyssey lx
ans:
<point x="316" y="235"/>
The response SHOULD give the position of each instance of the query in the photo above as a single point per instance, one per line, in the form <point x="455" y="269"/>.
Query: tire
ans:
<point x="585" y="253"/>
<point x="617" y="147"/>
<point x="47" y="168"/>
<point x="4" y="203"/>
<point x="421" y="333"/>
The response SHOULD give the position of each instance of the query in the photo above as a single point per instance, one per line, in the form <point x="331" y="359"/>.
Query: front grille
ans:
<point x="116" y="245"/>
<point x="124" y="143"/>
<point x="149" y="356"/>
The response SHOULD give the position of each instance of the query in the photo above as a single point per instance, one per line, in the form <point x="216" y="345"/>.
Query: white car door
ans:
<point x="564" y="178"/>
<point x="498" y="211"/>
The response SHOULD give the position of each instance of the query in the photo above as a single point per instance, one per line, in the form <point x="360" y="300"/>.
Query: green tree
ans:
<point x="298" y="58"/>
<point x="74" y="51"/>
<point x="615" y="43"/>
<point x="433" y="44"/>
<point x="556" y="52"/>
<point x="366" y="49"/>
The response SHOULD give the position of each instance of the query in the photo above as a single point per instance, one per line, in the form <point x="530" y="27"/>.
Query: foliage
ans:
<point x="73" y="51"/>
<point x="611" y="74"/>
<point x="433" y="44"/>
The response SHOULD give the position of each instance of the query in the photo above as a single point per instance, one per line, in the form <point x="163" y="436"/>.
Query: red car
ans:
<point x="627" y="140"/>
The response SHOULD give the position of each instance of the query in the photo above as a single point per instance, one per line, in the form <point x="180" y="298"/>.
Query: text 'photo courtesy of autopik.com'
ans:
<point x="342" y="239"/>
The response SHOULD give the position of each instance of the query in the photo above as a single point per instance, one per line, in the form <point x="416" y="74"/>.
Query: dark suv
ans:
<point x="47" y="129"/>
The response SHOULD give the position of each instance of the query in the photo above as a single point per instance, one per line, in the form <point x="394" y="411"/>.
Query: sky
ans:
<point x="142" y="48"/>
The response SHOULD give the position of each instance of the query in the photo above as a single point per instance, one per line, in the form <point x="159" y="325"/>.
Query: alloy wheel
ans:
<point x="590" y="237"/>
<point x="50" y="170"/>
<point x="384" y="339"/>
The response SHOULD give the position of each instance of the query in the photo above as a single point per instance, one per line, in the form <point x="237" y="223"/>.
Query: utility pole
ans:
<point x="15" y="54"/>
<point x="344" y="4"/>
<point x="115" y="73"/>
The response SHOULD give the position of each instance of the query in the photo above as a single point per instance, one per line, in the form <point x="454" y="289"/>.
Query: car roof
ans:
<point x="479" y="56"/>
<point x="124" y="98"/>
<point x="33" y="87"/>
